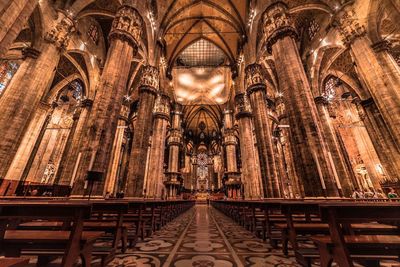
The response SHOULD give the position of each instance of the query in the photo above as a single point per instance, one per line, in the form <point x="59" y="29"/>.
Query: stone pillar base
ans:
<point x="172" y="184"/>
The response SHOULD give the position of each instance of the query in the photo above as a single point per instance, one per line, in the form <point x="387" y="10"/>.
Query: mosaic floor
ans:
<point x="202" y="237"/>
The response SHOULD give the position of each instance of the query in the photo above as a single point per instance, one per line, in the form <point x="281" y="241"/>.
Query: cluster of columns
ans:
<point x="99" y="124"/>
<point x="103" y="120"/>
<point x="380" y="74"/>
<point x="35" y="74"/>
<point x="308" y="146"/>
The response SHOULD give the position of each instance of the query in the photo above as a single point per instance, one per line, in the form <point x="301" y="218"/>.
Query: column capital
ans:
<point x="243" y="108"/>
<point x="162" y="107"/>
<point x="60" y="34"/>
<point x="30" y="52"/>
<point x="127" y="26"/>
<point x="229" y="137"/>
<point x="348" y="24"/>
<point x="174" y="138"/>
<point x="87" y="103"/>
<point x="149" y="80"/>
<point x="367" y="102"/>
<point x="380" y="46"/>
<point x="320" y="100"/>
<point x="76" y="115"/>
<point x="124" y="113"/>
<point x="277" y="23"/>
<point x="270" y="103"/>
<point x="254" y="78"/>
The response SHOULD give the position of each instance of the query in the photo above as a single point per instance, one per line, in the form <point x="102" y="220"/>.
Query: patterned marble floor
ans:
<point x="202" y="237"/>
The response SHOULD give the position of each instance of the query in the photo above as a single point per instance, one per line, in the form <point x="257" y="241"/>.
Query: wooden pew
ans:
<point x="302" y="220"/>
<point x="344" y="245"/>
<point x="107" y="216"/>
<point x="70" y="243"/>
<point x="13" y="262"/>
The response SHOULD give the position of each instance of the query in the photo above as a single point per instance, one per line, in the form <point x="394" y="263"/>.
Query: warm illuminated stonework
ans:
<point x="193" y="99"/>
<point x="60" y="34"/>
<point x="199" y="132"/>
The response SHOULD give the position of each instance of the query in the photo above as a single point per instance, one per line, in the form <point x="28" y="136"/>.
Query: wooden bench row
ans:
<point x="338" y="231"/>
<point x="73" y="229"/>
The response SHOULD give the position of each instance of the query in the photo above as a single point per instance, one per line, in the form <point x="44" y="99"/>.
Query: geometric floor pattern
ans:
<point x="202" y="237"/>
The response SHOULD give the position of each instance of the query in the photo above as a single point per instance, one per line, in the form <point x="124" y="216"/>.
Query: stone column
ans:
<point x="230" y="143"/>
<point x="14" y="14"/>
<point x="67" y="171"/>
<point x="309" y="150"/>
<point x="375" y="66"/>
<point x="97" y="144"/>
<point x="148" y="89"/>
<point x="256" y="90"/>
<point x="18" y="168"/>
<point x="155" y="173"/>
<point x="174" y="143"/>
<point x="211" y="173"/>
<point x="194" y="172"/>
<point x="116" y="153"/>
<point x="27" y="87"/>
<point x="385" y="147"/>
<point x="342" y="172"/>
<point x="250" y="177"/>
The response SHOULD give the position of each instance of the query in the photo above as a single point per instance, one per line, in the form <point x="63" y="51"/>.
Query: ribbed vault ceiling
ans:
<point x="202" y="39"/>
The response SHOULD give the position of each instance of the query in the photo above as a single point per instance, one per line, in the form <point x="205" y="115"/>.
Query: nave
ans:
<point x="203" y="236"/>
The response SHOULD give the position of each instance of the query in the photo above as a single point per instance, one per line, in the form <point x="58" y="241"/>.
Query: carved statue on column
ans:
<point x="242" y="106"/>
<point x="60" y="34"/>
<point x="162" y="106"/>
<point x="150" y="79"/>
<point x="348" y="24"/>
<point x="277" y="22"/>
<point x="255" y="78"/>
<point x="127" y="26"/>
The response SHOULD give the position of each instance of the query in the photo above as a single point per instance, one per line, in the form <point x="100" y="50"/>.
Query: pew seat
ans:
<point x="13" y="262"/>
<point x="345" y="244"/>
<point x="361" y="247"/>
<point x="43" y="236"/>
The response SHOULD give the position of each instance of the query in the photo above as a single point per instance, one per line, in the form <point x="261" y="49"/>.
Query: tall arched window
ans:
<point x="7" y="70"/>
<point x="77" y="90"/>
<point x="330" y="88"/>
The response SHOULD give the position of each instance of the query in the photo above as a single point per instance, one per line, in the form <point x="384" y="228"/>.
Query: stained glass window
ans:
<point x="313" y="28"/>
<point x="93" y="33"/>
<point x="202" y="167"/>
<point x="329" y="89"/>
<point x="77" y="88"/>
<point x="7" y="71"/>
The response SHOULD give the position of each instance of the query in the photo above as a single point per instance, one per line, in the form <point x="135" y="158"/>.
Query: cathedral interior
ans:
<point x="201" y="104"/>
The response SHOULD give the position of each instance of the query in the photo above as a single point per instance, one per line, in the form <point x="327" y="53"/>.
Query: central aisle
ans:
<point x="203" y="237"/>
